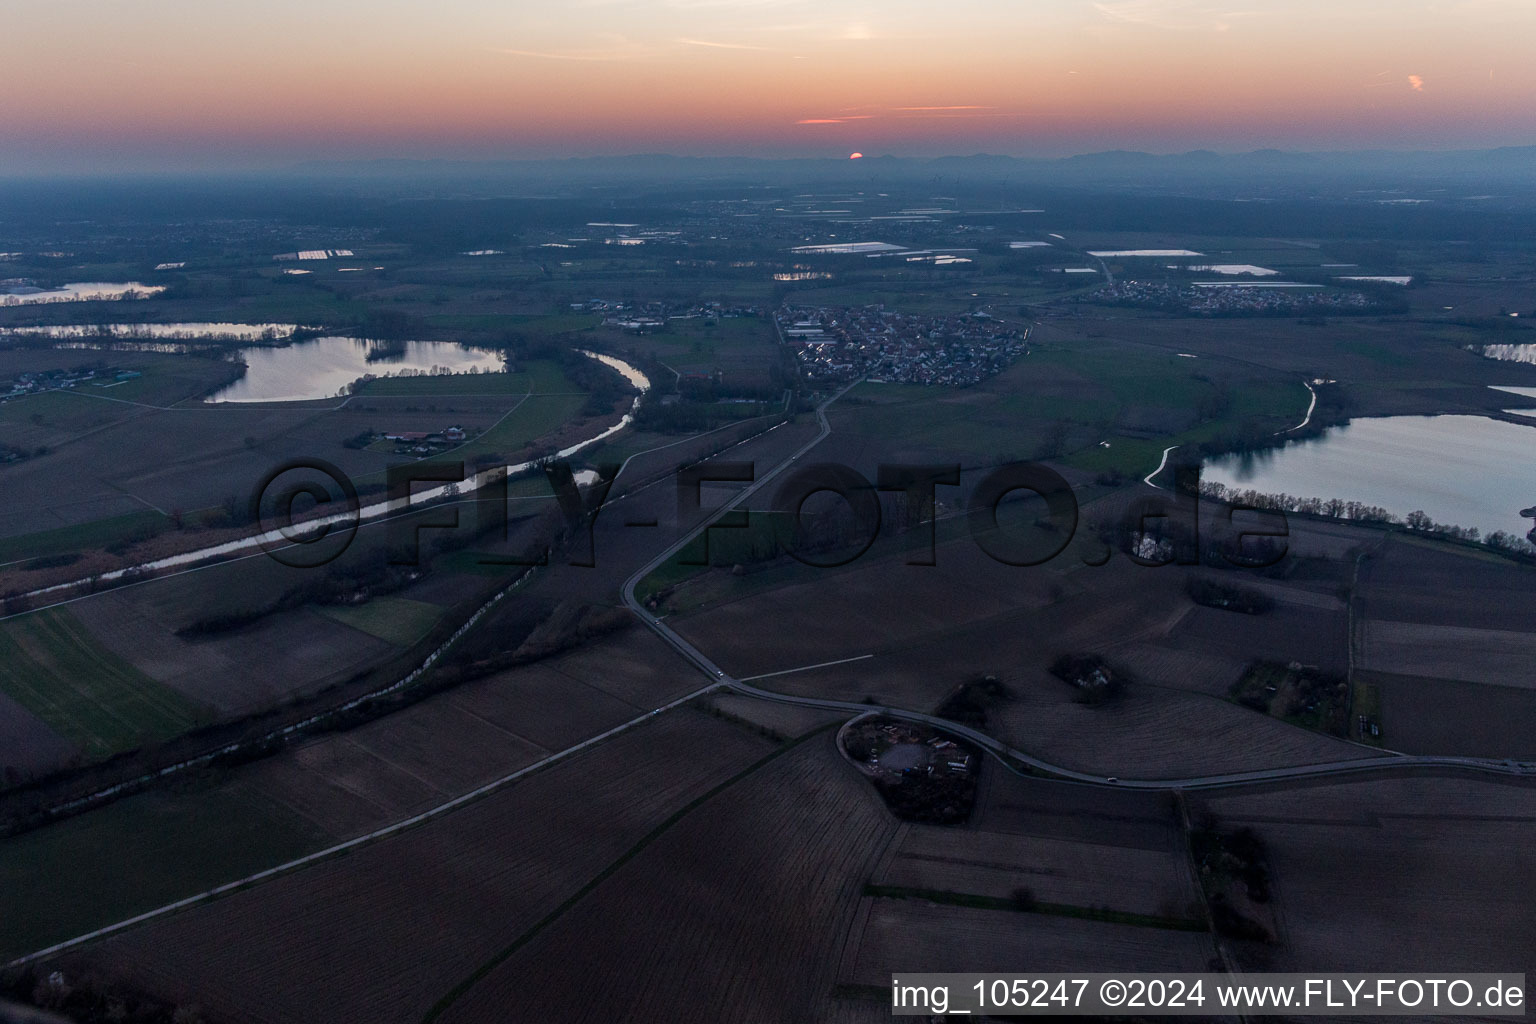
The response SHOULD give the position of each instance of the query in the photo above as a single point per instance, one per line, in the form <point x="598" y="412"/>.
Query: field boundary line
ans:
<point x="481" y="972"/>
<point x="806" y="668"/>
<point x="383" y="832"/>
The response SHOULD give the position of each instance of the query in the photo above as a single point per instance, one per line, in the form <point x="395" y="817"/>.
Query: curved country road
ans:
<point x="1004" y="753"/>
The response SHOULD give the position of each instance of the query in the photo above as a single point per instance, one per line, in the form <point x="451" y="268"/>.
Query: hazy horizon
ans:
<point x="169" y="85"/>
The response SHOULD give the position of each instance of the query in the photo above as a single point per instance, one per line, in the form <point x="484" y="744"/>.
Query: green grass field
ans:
<point x="54" y="668"/>
<point x="59" y="414"/>
<point x="537" y="416"/>
<point x="396" y="619"/>
<point x="66" y="539"/>
<point x="1069" y="398"/>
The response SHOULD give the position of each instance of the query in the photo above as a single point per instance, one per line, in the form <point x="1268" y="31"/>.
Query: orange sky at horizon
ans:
<point x="168" y="82"/>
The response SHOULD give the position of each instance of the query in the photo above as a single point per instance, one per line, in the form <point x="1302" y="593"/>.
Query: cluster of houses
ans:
<point x="835" y="345"/>
<point x="423" y="442"/>
<point x="1235" y="299"/>
<point x="903" y="748"/>
<point x="56" y="380"/>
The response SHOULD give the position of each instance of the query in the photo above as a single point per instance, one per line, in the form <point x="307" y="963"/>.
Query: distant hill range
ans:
<point x="1507" y="166"/>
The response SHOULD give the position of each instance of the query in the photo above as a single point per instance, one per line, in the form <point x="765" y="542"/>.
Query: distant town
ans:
<point x="834" y="345"/>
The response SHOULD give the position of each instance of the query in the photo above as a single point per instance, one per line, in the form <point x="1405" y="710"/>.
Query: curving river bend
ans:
<point x="287" y="535"/>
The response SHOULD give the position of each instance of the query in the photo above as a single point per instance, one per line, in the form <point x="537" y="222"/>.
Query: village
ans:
<point x="56" y="380"/>
<point x="834" y="345"/>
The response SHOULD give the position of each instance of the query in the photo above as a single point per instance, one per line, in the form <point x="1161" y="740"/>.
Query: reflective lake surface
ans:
<point x="79" y="292"/>
<point x="1463" y="470"/>
<point x="1524" y="353"/>
<point x="632" y="374"/>
<point x="326" y="367"/>
<point x="181" y="331"/>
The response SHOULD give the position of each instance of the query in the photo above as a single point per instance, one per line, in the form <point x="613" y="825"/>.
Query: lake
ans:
<point x="632" y="374"/>
<point x="1232" y="269"/>
<point x="1522" y="353"/>
<point x="82" y="291"/>
<point x="325" y="367"/>
<point x="179" y="331"/>
<point x="1462" y="470"/>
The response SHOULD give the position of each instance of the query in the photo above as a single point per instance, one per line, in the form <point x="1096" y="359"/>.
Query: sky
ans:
<point x="98" y="85"/>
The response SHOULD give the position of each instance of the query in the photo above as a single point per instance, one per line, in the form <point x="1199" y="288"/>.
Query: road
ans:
<point x="717" y="679"/>
<point x="1152" y="475"/>
<point x="380" y="833"/>
<point x="1311" y="407"/>
<point x="1008" y="756"/>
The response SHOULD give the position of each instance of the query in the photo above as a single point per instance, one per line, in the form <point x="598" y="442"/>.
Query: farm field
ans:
<point x="1445" y="639"/>
<point x="873" y="606"/>
<point x="397" y="620"/>
<point x="65" y="541"/>
<point x="955" y="625"/>
<point x="915" y="935"/>
<point x="741" y="349"/>
<point x="1498" y="657"/>
<point x="519" y="832"/>
<point x="1152" y="883"/>
<point x="285" y="653"/>
<point x="458" y="890"/>
<point x="1064" y="398"/>
<point x="1025" y="806"/>
<point x="1198" y="671"/>
<point x="325" y="789"/>
<point x="785" y="720"/>
<point x="29" y="746"/>
<point x="351" y="782"/>
<point x="234" y="637"/>
<point x="1107" y="876"/>
<point x="1290" y="632"/>
<point x="1424" y="370"/>
<point x="115" y="458"/>
<point x="786" y="849"/>
<point x="1439" y="585"/>
<point x="87" y="694"/>
<point x="137" y="854"/>
<point x="165" y="381"/>
<point x="1424" y="715"/>
<point x="1156" y="733"/>
<point x="1345" y="857"/>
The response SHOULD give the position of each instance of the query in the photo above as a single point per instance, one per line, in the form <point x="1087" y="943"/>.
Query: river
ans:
<point x="245" y="545"/>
